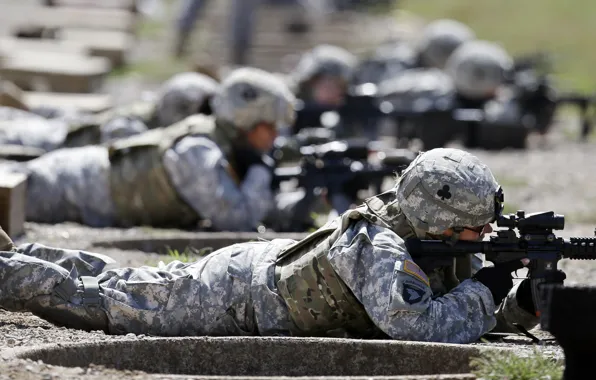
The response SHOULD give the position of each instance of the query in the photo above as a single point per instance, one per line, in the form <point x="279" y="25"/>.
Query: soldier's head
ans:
<point x="478" y="69"/>
<point x="386" y="62"/>
<point x="323" y="74"/>
<point x="183" y="95"/>
<point x="439" y="40"/>
<point x="256" y="104"/>
<point x="449" y="193"/>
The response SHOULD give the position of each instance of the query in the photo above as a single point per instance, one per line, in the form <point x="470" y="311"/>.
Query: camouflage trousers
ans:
<point x="225" y="293"/>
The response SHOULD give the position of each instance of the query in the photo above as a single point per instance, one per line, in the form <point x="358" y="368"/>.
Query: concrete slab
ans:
<point x="112" y="44"/>
<point x="12" y="203"/>
<point x="198" y="240"/>
<point x="58" y="72"/>
<point x="253" y="357"/>
<point x="89" y="102"/>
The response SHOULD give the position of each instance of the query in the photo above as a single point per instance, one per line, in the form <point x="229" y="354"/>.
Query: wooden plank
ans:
<point x="12" y="203"/>
<point x="17" y="15"/>
<point x="87" y="102"/>
<point x="11" y="44"/>
<point x="57" y="72"/>
<point x="112" y="44"/>
<point x="119" y="4"/>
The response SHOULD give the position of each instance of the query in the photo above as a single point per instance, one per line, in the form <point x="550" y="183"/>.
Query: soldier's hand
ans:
<point x="246" y="157"/>
<point x="524" y="291"/>
<point x="498" y="279"/>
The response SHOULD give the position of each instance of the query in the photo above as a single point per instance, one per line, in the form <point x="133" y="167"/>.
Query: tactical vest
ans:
<point x="319" y="302"/>
<point x="141" y="188"/>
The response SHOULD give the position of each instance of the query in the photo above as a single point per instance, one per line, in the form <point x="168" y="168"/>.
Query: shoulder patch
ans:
<point x="412" y="294"/>
<point x="410" y="267"/>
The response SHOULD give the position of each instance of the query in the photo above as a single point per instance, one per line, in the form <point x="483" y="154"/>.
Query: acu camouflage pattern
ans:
<point x="233" y="291"/>
<point x="479" y="68"/>
<point x="183" y="95"/>
<point x="318" y="300"/>
<point x="445" y="188"/>
<point x="249" y="96"/>
<point x="140" y="186"/>
<point x="101" y="127"/>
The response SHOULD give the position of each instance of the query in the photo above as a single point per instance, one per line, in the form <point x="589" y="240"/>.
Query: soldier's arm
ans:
<point x="510" y="312"/>
<point x="396" y="294"/>
<point x="198" y="170"/>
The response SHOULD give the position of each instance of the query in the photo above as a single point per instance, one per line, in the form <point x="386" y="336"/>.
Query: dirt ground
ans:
<point x="553" y="176"/>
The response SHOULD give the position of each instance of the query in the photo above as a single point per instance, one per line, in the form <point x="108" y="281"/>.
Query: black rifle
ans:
<point x="538" y="95"/>
<point x="342" y="169"/>
<point x="535" y="241"/>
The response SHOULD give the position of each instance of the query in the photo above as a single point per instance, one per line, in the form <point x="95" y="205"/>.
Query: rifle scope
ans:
<point x="547" y="220"/>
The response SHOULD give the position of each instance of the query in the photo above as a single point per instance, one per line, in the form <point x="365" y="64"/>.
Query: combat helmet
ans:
<point x="478" y="68"/>
<point x="448" y="188"/>
<point x="324" y="60"/>
<point x="183" y="95"/>
<point x="439" y="40"/>
<point x="248" y="96"/>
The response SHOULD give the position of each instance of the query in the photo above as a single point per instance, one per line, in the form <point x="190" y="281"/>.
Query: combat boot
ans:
<point x="50" y="292"/>
<point x="180" y="46"/>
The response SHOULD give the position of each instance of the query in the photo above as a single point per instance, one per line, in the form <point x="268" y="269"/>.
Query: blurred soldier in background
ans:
<point x="323" y="75"/>
<point x="439" y="39"/>
<point x="206" y="171"/>
<point x="45" y="129"/>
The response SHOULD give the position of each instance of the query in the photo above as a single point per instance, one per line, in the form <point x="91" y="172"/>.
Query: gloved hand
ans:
<point x="245" y="157"/>
<point x="498" y="279"/>
<point x="524" y="292"/>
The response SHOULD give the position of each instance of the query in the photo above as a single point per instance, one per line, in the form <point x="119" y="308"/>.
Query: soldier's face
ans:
<point x="472" y="233"/>
<point x="262" y="137"/>
<point x="328" y="91"/>
<point x="476" y="233"/>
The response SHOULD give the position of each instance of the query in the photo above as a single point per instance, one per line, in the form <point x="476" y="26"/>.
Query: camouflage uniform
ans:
<point x="184" y="94"/>
<point x="351" y="278"/>
<point x="47" y="129"/>
<point x="177" y="176"/>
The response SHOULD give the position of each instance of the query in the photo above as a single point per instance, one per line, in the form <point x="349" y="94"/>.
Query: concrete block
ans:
<point x="88" y="102"/>
<point x="56" y="72"/>
<point x="269" y="357"/>
<point x="12" y="203"/>
<point x="114" y="45"/>
<point x="11" y="95"/>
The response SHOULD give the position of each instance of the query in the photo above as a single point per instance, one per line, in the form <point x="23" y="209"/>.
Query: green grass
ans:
<point x="157" y="70"/>
<point x="564" y="28"/>
<point x="512" y="367"/>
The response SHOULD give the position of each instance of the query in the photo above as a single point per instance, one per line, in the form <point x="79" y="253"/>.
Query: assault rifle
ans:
<point x="343" y="170"/>
<point x="535" y="241"/>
